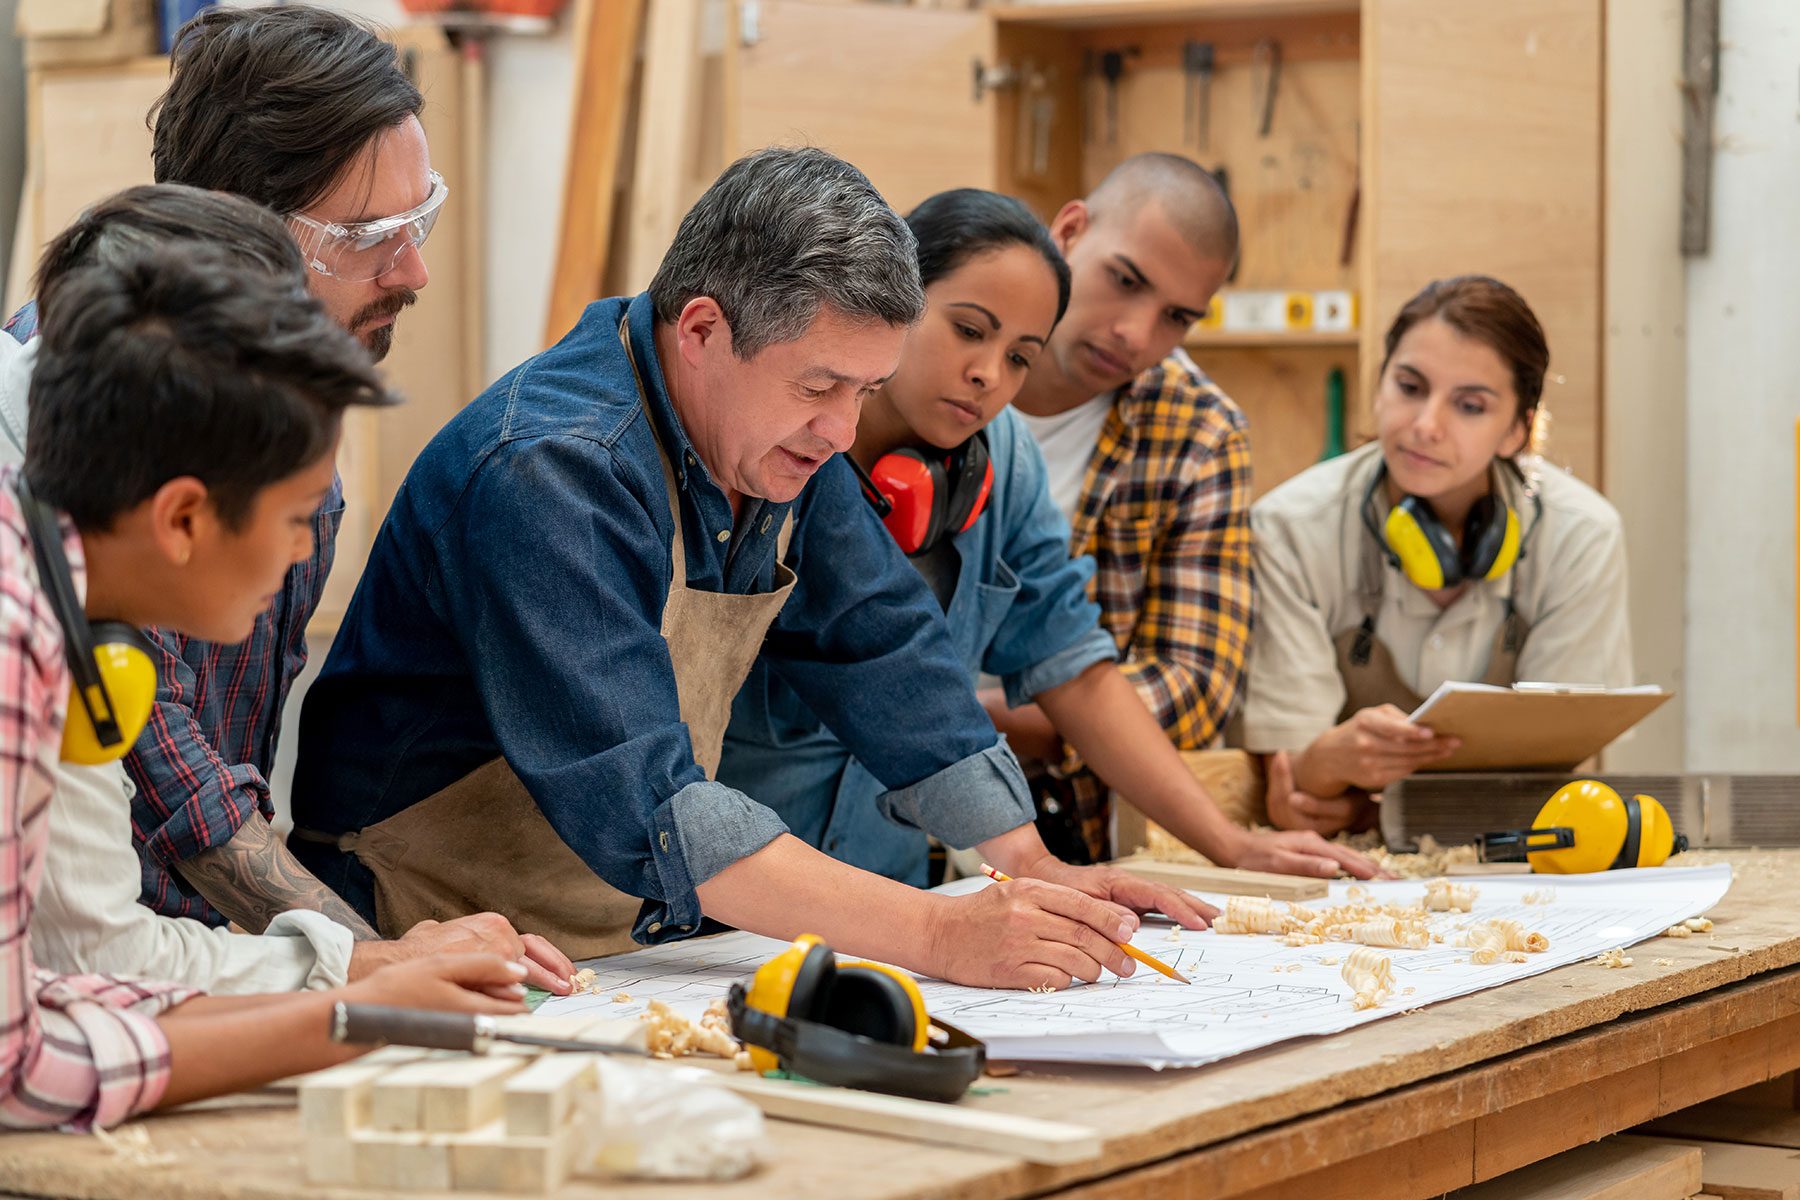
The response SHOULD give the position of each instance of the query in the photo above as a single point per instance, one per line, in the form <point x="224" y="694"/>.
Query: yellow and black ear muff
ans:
<point x="851" y="1024"/>
<point x="1423" y="550"/>
<point x="112" y="669"/>
<point x="1587" y="826"/>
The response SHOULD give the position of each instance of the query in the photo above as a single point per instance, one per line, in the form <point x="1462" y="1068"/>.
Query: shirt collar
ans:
<point x="640" y="327"/>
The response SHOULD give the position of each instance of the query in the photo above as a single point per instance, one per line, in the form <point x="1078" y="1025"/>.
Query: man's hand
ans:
<point x="1027" y="934"/>
<point x="1291" y="808"/>
<point x="1374" y="748"/>
<point x="546" y="967"/>
<point x="1124" y="888"/>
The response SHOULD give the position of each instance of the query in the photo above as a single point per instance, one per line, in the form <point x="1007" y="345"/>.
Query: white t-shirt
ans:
<point x="1068" y="440"/>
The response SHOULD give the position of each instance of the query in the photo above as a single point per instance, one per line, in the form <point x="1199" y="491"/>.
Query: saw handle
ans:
<point x="378" y="1024"/>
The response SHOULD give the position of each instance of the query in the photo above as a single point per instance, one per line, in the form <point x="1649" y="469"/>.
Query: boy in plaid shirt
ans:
<point x="183" y="425"/>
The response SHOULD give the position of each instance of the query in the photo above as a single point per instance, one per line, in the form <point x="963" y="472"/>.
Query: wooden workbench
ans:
<point x="1404" y="1108"/>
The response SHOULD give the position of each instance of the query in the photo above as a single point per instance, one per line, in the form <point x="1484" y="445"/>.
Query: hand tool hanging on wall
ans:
<point x="1197" y="68"/>
<point x="1112" y="69"/>
<point x="1037" y="117"/>
<point x="1334" y="415"/>
<point x="1265" y="63"/>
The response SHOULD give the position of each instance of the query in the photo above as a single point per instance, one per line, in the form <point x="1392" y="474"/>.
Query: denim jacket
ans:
<point x="1020" y="611"/>
<point x="512" y="605"/>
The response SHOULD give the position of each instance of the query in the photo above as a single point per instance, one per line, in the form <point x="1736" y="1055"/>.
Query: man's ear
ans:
<point x="181" y="517"/>
<point x="702" y="329"/>
<point x="1070" y="223"/>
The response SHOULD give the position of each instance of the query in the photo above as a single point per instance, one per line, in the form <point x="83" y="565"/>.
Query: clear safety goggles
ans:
<point x="368" y="249"/>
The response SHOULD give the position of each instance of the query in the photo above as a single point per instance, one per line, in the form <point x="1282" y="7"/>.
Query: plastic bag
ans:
<point x="662" y="1122"/>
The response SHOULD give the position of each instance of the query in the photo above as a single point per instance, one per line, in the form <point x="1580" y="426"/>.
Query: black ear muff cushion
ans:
<point x="869" y="1003"/>
<point x="1484" y="533"/>
<point x="812" y="984"/>
<point x="969" y="464"/>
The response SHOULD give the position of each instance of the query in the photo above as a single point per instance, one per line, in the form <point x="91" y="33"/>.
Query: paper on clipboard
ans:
<point x="1532" y="725"/>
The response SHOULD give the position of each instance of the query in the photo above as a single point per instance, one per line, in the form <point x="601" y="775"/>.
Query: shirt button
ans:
<point x="690" y="459"/>
<point x="764" y="527"/>
<point x="724" y="535"/>
<point x="656" y="927"/>
<point x="662" y="840"/>
<point x="683" y="928"/>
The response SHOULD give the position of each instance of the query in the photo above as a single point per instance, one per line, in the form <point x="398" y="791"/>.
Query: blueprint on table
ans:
<point x="1247" y="991"/>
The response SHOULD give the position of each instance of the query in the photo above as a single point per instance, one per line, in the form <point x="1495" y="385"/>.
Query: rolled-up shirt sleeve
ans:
<point x="575" y="677"/>
<point x="863" y="642"/>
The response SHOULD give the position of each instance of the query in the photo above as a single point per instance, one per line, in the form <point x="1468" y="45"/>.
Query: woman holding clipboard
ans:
<point x="1444" y="550"/>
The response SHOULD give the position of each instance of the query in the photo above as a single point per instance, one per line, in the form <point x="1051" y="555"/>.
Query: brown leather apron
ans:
<point x="482" y="844"/>
<point x="1367" y="667"/>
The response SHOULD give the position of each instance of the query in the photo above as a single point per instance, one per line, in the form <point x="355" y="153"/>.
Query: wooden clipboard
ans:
<point x="1532" y="726"/>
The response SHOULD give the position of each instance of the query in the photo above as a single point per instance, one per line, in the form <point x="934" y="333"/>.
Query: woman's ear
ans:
<point x="1518" y="438"/>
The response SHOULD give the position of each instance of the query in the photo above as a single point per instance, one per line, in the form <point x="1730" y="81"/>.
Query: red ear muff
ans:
<point x="973" y="472"/>
<point x="914" y="490"/>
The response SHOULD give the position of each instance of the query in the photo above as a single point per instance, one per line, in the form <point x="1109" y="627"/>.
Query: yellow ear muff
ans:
<point x="122" y="699"/>
<point x="903" y="994"/>
<point x="1607" y="831"/>
<point x="772" y="988"/>
<point x="1419" y="558"/>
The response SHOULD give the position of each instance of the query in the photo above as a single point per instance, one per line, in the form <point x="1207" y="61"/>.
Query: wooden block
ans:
<point x="1225" y="880"/>
<point x="492" y="1160"/>
<point x="333" y="1103"/>
<point x="330" y="1160"/>
<point x="1724" y="1121"/>
<point x="408" y="1161"/>
<point x="1734" y="1172"/>
<point x="581" y="1027"/>
<point x="1606" y="1170"/>
<point x="920" y="1120"/>
<point x="1500" y="868"/>
<point x="1783" y="1091"/>
<point x="536" y="1101"/>
<point x="442" y="1095"/>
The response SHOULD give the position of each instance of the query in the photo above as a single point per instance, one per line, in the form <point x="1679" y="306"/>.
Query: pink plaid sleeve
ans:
<point x="75" y="1051"/>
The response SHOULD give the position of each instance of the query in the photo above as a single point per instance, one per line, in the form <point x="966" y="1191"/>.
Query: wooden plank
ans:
<point x="667" y="111"/>
<point x="1482" y="120"/>
<point x="1225" y="880"/>
<point x="1608" y="1170"/>
<point x="1734" y="1172"/>
<point x="1781" y="1092"/>
<point x="441" y="1095"/>
<point x="1028" y="1138"/>
<point x="607" y="37"/>
<point x="1723" y="1121"/>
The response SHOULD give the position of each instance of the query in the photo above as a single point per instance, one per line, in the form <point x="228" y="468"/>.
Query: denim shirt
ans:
<point x="512" y="605"/>
<point x="1020" y="611"/>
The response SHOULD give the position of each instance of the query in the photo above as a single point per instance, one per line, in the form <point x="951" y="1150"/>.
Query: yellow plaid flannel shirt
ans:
<point x="1165" y="513"/>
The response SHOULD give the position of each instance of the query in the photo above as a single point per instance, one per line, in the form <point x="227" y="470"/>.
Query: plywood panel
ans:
<point x="88" y="137"/>
<point x="1282" y="392"/>
<point x="1483" y="154"/>
<point x="888" y="88"/>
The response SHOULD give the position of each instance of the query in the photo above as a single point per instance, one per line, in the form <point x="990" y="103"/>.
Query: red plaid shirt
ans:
<point x="76" y="1051"/>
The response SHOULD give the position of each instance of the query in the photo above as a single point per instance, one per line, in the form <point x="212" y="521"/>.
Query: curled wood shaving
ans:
<point x="621" y="997"/>
<point x="1541" y="896"/>
<point x="674" y="1036"/>
<point x="1614" y="959"/>
<point x="1370" y="976"/>
<point x="582" y="981"/>
<point x="1664" y="962"/>
<point x="132" y="1143"/>
<point x="1443" y="896"/>
<point x="1699" y="924"/>
<point x="1678" y="931"/>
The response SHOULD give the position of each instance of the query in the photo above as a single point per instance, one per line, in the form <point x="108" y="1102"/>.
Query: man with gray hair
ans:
<point x="525" y="707"/>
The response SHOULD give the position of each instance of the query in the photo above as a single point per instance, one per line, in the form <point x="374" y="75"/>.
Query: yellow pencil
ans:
<point x="1153" y="963"/>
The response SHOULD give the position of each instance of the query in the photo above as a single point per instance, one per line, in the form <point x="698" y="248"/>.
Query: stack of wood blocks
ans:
<point x="441" y="1121"/>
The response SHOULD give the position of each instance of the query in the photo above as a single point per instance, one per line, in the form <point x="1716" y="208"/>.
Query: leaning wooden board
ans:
<point x="1410" y="1107"/>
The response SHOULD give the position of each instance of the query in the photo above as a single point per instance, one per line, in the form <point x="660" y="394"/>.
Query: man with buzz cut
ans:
<point x="1150" y="461"/>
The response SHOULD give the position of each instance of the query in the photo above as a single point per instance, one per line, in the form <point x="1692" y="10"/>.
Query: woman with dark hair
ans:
<point x="1445" y="550"/>
<point x="962" y="489"/>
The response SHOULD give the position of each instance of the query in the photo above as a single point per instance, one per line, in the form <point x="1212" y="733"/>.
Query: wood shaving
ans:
<point x="1678" y="931"/>
<point x="132" y="1143"/>
<point x="1443" y="896"/>
<point x="674" y="1036"/>
<point x="582" y="981"/>
<point x="1370" y="976"/>
<point x="1614" y="959"/>
<point x="1430" y="859"/>
<point x="1541" y="896"/>
<point x="1357" y="893"/>
<point x="1664" y="962"/>
<point x="1498" y="939"/>
<point x="1699" y="924"/>
<point x="742" y="1061"/>
<point x="1332" y="961"/>
<point x="1044" y="989"/>
<point x="621" y="997"/>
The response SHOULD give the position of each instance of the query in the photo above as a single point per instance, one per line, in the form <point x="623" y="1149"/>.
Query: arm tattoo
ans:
<point x="253" y="878"/>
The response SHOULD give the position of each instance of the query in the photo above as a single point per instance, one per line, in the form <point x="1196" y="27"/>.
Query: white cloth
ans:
<point x="88" y="917"/>
<point x="1068" y="440"/>
<point x="1312" y="548"/>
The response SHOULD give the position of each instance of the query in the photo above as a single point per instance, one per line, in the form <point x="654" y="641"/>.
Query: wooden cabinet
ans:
<point x="1407" y="140"/>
